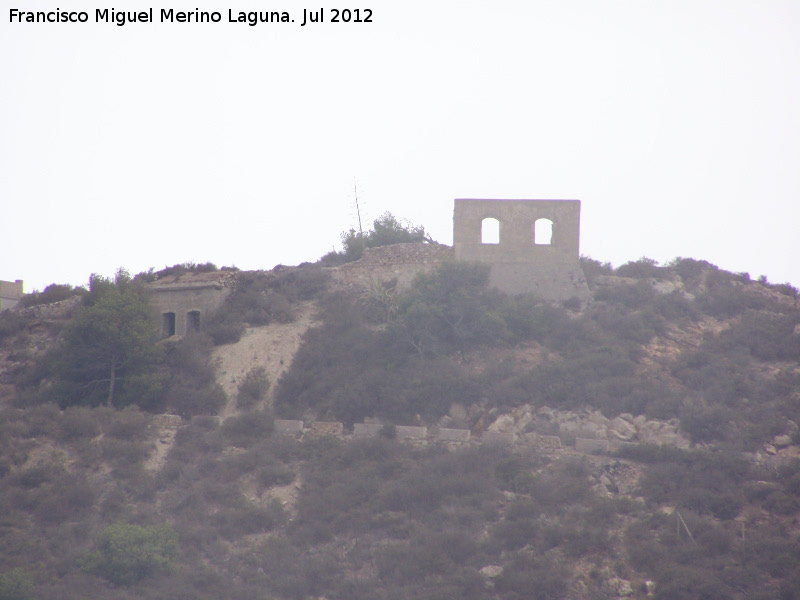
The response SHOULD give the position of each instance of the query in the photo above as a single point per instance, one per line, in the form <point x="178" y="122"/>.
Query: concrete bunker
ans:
<point x="537" y="246"/>
<point x="184" y="301"/>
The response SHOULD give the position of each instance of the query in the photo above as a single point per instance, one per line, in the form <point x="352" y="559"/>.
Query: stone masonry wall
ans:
<point x="10" y="293"/>
<point x="519" y="262"/>
<point x="400" y="262"/>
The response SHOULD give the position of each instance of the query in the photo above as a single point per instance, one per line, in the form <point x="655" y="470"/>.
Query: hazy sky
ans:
<point x="676" y="123"/>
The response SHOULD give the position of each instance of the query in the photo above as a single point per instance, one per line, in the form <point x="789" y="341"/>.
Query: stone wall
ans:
<point x="189" y="299"/>
<point x="519" y="262"/>
<point x="398" y="262"/>
<point x="10" y="293"/>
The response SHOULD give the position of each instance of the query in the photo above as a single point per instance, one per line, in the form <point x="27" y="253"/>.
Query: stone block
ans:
<point x="453" y="435"/>
<point x="408" y="432"/>
<point x="288" y="427"/>
<point x="366" y="430"/>
<point x="326" y="428"/>
<point x="542" y="442"/>
<point x="591" y="446"/>
<point x="497" y="438"/>
<point x="167" y="421"/>
<point x="615" y="445"/>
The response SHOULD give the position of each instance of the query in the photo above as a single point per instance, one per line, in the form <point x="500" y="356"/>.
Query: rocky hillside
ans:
<point x="642" y="445"/>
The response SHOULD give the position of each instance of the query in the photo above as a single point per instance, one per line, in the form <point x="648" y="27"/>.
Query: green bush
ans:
<point x="386" y="230"/>
<point x="223" y="331"/>
<point x="707" y="482"/>
<point x="125" y="554"/>
<point x="248" y="429"/>
<point x="193" y="389"/>
<point x="179" y="269"/>
<point x="253" y="388"/>
<point x="681" y="582"/>
<point x="11" y="324"/>
<point x="78" y="422"/>
<point x="16" y="584"/>
<point x="640" y="269"/>
<point x="129" y="424"/>
<point x="631" y="296"/>
<point x="527" y="577"/>
<point x="592" y="269"/>
<point x="52" y="293"/>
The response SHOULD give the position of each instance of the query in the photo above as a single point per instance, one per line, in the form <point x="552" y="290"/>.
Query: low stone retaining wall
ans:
<point x="448" y="437"/>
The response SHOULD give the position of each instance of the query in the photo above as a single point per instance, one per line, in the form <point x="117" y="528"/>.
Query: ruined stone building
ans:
<point x="531" y="245"/>
<point x="184" y="301"/>
<point x="10" y="294"/>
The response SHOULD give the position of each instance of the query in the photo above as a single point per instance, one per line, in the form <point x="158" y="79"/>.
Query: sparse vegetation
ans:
<point x="233" y="509"/>
<point x="52" y="293"/>
<point x="386" y="230"/>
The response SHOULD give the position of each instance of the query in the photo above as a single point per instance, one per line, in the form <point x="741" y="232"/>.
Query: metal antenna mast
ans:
<point x="358" y="209"/>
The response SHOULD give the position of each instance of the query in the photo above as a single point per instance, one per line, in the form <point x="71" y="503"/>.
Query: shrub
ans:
<point x="42" y="420"/>
<point x="70" y="497"/>
<point x="223" y="331"/>
<point x="233" y="523"/>
<point x="691" y="271"/>
<point x="52" y="293"/>
<point x="386" y="230"/>
<point x="129" y="424"/>
<point x="533" y="578"/>
<point x="592" y="269"/>
<point x="78" y="422"/>
<point x="193" y="389"/>
<point x="253" y="388"/>
<point x="11" y="323"/>
<point x="179" y="269"/>
<point x="247" y="430"/>
<point x="640" y="269"/>
<point x="632" y="296"/>
<point x="726" y="296"/>
<point x="127" y="554"/>
<point x="124" y="454"/>
<point x="681" y="582"/>
<point x="16" y="585"/>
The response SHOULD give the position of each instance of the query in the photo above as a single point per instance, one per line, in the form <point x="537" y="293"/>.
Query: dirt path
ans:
<point x="271" y="346"/>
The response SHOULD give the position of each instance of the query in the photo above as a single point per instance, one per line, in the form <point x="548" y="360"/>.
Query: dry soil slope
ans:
<point x="271" y="346"/>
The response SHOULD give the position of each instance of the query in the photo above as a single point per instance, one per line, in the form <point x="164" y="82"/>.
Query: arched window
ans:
<point x="543" y="232"/>
<point x="490" y="231"/>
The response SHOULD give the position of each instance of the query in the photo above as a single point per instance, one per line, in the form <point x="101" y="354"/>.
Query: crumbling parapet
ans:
<point x="398" y="262"/>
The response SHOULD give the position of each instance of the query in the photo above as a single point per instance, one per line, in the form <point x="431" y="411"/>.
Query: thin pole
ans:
<point x="358" y="209"/>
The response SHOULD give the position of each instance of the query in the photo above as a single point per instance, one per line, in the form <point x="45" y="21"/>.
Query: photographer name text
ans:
<point x="121" y="18"/>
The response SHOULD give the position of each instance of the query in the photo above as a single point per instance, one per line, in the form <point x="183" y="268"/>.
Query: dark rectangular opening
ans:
<point x="168" y="324"/>
<point x="192" y="321"/>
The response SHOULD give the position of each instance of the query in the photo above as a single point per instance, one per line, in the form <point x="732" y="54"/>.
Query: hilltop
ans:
<point x="685" y="378"/>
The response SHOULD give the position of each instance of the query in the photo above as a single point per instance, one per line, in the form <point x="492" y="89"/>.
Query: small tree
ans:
<point x="109" y="345"/>
<point x="253" y="388"/>
<point x="386" y="230"/>
<point x="450" y="308"/>
<point x="15" y="585"/>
